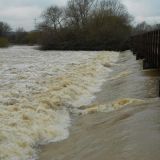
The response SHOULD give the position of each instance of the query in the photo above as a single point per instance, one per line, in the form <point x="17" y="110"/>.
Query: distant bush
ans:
<point x="86" y="25"/>
<point x="32" y="37"/>
<point x="4" y="42"/>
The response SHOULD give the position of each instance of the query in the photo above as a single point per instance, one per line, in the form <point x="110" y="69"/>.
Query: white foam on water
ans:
<point x="36" y="91"/>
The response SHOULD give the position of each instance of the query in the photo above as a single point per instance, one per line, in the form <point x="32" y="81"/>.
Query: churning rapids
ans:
<point x="39" y="89"/>
<point x="122" y="123"/>
<point x="104" y="98"/>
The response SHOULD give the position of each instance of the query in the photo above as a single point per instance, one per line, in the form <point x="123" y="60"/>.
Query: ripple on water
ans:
<point x="36" y="90"/>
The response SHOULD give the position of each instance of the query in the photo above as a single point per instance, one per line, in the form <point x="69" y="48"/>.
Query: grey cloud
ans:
<point x="144" y="10"/>
<point x="22" y="12"/>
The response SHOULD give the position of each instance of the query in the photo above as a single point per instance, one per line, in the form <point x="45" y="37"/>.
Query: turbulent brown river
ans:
<point x="66" y="105"/>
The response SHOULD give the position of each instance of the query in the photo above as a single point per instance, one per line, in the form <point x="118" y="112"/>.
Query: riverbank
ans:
<point x="126" y="127"/>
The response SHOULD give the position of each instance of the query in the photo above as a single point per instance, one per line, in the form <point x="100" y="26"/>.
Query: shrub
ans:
<point x="85" y="25"/>
<point x="32" y="37"/>
<point x="4" y="42"/>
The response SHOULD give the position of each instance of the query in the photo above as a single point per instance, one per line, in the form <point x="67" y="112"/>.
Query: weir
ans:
<point x="146" y="46"/>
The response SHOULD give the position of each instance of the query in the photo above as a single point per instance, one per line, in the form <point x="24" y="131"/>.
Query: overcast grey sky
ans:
<point x="21" y="13"/>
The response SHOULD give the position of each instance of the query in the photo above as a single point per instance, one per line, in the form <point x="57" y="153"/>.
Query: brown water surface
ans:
<point x="127" y="133"/>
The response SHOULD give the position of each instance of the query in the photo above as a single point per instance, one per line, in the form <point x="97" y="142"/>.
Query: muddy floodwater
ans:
<point x="130" y="131"/>
<point x="66" y="105"/>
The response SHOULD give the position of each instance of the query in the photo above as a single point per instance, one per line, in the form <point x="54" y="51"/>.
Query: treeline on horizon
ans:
<point x="80" y="25"/>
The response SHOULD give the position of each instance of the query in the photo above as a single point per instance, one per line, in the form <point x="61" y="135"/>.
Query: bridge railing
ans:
<point x="146" y="46"/>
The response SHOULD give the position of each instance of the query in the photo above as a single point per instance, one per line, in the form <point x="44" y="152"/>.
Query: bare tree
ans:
<point x="86" y="24"/>
<point x="78" y="11"/>
<point x="114" y="8"/>
<point x="53" y="17"/>
<point x="4" y="28"/>
<point x="142" y="27"/>
<point x="156" y="26"/>
<point x="20" y="36"/>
